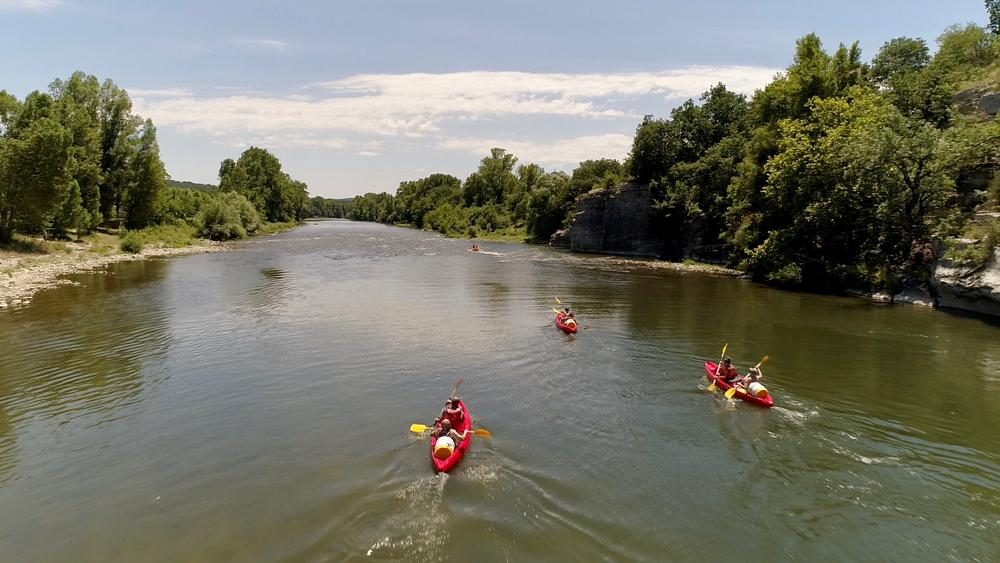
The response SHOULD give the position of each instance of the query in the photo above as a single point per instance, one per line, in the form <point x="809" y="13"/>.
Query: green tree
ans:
<point x="33" y="173"/>
<point x="853" y="189"/>
<point x="257" y="175"/>
<point x="651" y="151"/>
<point x="77" y="103"/>
<point x="899" y="56"/>
<point x="147" y="180"/>
<point x="962" y="50"/>
<point x="494" y="178"/>
<point x="548" y="205"/>
<point x="993" y="11"/>
<point x="118" y="127"/>
<point x="72" y="214"/>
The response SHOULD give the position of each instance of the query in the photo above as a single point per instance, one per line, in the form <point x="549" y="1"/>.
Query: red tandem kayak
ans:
<point x="710" y="374"/>
<point x="445" y="465"/>
<point x="567" y="328"/>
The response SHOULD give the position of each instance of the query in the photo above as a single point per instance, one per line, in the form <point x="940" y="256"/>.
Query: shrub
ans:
<point x="131" y="242"/>
<point x="228" y="216"/>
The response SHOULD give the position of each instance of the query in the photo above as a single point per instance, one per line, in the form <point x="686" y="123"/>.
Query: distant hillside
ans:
<point x="192" y="186"/>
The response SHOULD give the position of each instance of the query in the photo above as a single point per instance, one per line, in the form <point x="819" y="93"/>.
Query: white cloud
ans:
<point x="421" y="104"/>
<point x="160" y="93"/>
<point x="272" y="44"/>
<point x="561" y="153"/>
<point x="29" y="5"/>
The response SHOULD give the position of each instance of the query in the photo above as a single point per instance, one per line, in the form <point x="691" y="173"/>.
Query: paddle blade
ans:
<point x="711" y="387"/>
<point x="558" y="301"/>
<point x="556" y="311"/>
<point x="724" y="348"/>
<point x="454" y="390"/>
<point x="763" y="361"/>
<point x="482" y="432"/>
<point x="418" y="428"/>
<point x="730" y="392"/>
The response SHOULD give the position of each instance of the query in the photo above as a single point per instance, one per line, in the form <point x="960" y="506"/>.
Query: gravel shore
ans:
<point x="22" y="276"/>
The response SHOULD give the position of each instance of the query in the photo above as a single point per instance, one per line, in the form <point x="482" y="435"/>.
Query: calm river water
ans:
<point x="253" y="406"/>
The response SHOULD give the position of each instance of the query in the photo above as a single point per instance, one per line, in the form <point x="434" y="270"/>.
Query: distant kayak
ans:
<point x="568" y="328"/>
<point x="446" y="465"/>
<point x="710" y="369"/>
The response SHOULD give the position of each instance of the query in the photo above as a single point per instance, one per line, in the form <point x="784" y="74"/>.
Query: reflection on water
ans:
<point x="80" y="352"/>
<point x="253" y="406"/>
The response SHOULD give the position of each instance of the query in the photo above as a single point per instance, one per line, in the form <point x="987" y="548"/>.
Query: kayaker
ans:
<point x="446" y="431"/>
<point x="752" y="377"/>
<point x="726" y="371"/>
<point x="452" y="412"/>
<point x="569" y="320"/>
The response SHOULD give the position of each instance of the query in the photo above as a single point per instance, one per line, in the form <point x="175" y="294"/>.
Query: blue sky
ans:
<point x="357" y="96"/>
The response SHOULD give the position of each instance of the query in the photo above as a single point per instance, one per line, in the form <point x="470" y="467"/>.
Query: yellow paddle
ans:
<point x="711" y="385"/>
<point x="421" y="428"/>
<point x="732" y="390"/>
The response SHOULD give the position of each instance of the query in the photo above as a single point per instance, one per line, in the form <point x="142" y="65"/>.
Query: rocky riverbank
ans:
<point x="22" y="274"/>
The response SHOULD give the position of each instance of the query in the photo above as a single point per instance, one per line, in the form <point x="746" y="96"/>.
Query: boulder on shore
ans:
<point x="969" y="289"/>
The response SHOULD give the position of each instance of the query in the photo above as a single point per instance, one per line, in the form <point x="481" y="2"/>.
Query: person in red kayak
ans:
<point x="726" y="371"/>
<point x="447" y="439"/>
<point x="753" y="376"/>
<point x="452" y="412"/>
<point x="446" y="431"/>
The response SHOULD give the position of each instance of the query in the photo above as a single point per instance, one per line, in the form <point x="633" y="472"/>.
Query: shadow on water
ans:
<point x="75" y="353"/>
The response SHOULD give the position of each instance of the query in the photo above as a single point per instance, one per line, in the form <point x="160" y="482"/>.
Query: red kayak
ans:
<point x="445" y="465"/>
<point x="567" y="328"/>
<point x="710" y="374"/>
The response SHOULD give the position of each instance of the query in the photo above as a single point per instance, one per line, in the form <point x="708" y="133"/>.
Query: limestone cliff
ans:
<point x="614" y="220"/>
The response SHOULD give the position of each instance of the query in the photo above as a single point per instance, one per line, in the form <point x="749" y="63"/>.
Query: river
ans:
<point x="253" y="406"/>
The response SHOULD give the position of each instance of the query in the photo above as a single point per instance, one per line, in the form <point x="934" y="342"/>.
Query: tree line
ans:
<point x="839" y="172"/>
<point x="500" y="197"/>
<point x="76" y="158"/>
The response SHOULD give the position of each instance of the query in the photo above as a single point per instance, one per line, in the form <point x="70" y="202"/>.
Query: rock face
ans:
<point x="982" y="101"/>
<point x="976" y="290"/>
<point x="613" y="221"/>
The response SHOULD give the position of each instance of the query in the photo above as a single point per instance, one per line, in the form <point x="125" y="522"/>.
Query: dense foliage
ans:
<point x="499" y="198"/>
<point x="227" y="216"/>
<point x="319" y="206"/>
<point x="836" y="173"/>
<point x="75" y="157"/>
<point x="257" y="176"/>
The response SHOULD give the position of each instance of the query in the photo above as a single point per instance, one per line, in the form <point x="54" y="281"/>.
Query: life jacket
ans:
<point x="456" y="416"/>
<point x="728" y="374"/>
